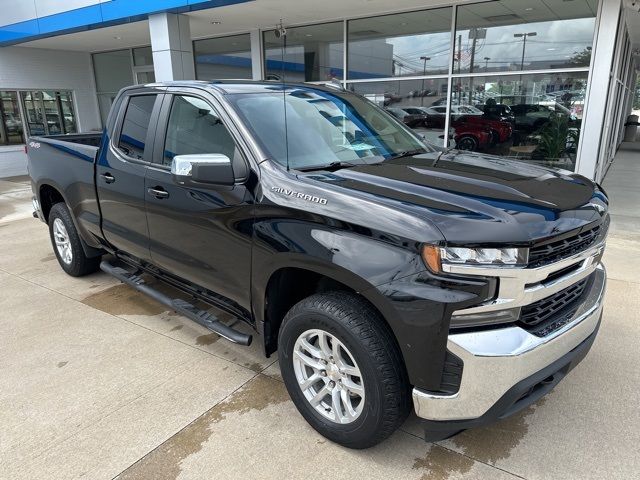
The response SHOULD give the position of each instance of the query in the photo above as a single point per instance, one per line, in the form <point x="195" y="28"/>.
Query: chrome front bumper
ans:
<point x="496" y="360"/>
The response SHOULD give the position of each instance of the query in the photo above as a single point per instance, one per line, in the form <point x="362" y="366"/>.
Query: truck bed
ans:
<point x="67" y="163"/>
<point x="82" y="145"/>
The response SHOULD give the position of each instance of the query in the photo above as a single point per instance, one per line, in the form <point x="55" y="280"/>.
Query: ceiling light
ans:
<point x="216" y="22"/>
<point x="550" y="49"/>
<point x="529" y="9"/>
<point x="508" y="17"/>
<point x="117" y="38"/>
<point x="308" y="35"/>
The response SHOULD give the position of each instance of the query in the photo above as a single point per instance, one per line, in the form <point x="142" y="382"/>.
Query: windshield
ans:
<point x="323" y="128"/>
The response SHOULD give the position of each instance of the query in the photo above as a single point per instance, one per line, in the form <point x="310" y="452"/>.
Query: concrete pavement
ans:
<point x="97" y="381"/>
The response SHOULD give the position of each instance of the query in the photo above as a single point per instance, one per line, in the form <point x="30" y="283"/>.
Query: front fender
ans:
<point x="387" y="271"/>
<point x="360" y="259"/>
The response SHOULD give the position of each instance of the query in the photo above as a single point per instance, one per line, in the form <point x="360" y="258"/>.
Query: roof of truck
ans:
<point x="243" y="86"/>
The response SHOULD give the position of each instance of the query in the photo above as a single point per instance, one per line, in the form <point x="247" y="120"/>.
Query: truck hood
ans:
<point x="477" y="199"/>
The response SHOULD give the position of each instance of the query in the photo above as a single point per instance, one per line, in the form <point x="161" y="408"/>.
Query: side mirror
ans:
<point x="212" y="169"/>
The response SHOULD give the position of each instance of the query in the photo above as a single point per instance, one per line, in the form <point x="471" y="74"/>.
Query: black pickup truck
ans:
<point x="385" y="273"/>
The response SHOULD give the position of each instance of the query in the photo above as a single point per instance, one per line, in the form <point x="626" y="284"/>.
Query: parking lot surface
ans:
<point x="99" y="382"/>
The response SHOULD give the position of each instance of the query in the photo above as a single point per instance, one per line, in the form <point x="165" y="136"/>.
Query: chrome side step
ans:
<point x="206" y="319"/>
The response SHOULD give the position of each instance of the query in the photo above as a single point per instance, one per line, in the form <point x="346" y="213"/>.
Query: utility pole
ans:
<point x="524" y="44"/>
<point x="459" y="52"/>
<point x="424" y="72"/>
<point x="474" y="34"/>
<point x="486" y="63"/>
<point x="459" y="63"/>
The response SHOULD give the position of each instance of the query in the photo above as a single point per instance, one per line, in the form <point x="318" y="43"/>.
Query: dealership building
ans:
<point x="560" y="75"/>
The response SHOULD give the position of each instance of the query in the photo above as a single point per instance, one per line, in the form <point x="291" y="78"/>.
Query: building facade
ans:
<point x="544" y="82"/>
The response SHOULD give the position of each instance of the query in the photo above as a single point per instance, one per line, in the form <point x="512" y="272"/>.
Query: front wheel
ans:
<point x="467" y="142"/>
<point x="342" y="370"/>
<point x="67" y="244"/>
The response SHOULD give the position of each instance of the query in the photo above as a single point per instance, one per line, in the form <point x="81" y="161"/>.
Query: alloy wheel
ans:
<point x="63" y="244"/>
<point x="328" y="376"/>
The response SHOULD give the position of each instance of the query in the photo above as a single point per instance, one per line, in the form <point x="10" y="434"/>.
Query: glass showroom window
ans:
<point x="398" y="45"/>
<point x="10" y="120"/>
<point x="313" y="53"/>
<point x="143" y="65"/>
<point x="48" y="112"/>
<point x="517" y="35"/>
<point x="419" y="104"/>
<point x="113" y="71"/>
<point x="225" y="57"/>
<point x="534" y="117"/>
<point x="65" y="103"/>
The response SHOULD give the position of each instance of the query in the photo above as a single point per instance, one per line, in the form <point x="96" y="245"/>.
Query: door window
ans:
<point x="194" y="127"/>
<point x="135" y="126"/>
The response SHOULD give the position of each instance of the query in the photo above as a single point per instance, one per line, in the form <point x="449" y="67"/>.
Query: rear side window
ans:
<point x="194" y="127"/>
<point x="135" y="125"/>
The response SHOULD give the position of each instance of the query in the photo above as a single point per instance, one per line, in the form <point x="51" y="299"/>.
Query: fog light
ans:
<point x="461" y="320"/>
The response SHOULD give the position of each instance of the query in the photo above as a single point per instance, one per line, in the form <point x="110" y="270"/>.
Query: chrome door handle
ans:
<point x="158" y="192"/>
<point x="108" y="178"/>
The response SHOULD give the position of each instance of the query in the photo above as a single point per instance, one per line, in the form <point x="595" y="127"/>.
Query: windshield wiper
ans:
<point x="407" y="153"/>
<point x="333" y="166"/>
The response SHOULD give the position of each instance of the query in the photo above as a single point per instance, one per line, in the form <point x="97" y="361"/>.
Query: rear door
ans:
<point x="202" y="235"/>
<point x="121" y="170"/>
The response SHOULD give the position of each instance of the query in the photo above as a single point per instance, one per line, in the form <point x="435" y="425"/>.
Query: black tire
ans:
<point x="368" y="338"/>
<point x="467" y="142"/>
<point x="80" y="264"/>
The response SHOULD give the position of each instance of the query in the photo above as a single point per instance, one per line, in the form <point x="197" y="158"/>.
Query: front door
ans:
<point x="202" y="235"/>
<point x="121" y="170"/>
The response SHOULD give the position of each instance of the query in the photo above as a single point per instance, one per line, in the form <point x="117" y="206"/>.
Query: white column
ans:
<point x="593" y="121"/>
<point x="256" y="54"/>
<point x="171" y="46"/>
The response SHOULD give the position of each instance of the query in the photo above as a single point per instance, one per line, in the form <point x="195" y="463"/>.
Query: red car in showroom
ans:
<point x="469" y="134"/>
<point x="501" y="131"/>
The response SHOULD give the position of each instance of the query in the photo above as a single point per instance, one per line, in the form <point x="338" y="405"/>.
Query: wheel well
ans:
<point x="285" y="288"/>
<point x="49" y="196"/>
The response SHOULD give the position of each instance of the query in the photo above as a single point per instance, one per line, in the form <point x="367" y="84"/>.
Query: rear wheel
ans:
<point x="342" y="369"/>
<point x="67" y="244"/>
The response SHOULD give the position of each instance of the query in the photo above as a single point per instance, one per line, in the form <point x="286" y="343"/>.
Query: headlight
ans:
<point x="434" y="256"/>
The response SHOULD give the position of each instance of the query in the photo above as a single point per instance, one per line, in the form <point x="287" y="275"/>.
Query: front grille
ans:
<point x="557" y="250"/>
<point x="536" y="313"/>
